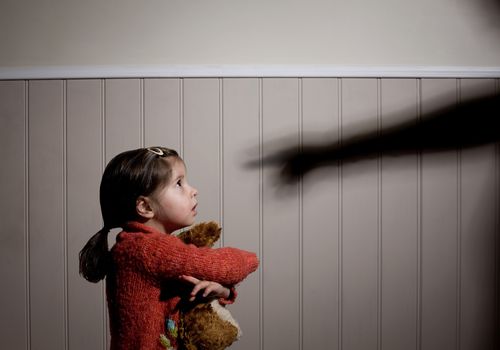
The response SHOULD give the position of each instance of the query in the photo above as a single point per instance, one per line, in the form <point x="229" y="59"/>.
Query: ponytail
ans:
<point x="95" y="257"/>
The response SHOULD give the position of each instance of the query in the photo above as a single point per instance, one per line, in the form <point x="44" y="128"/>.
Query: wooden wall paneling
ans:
<point x="440" y="231"/>
<point x="241" y="195"/>
<point x="408" y="244"/>
<point x="202" y="143"/>
<point x="86" y="301"/>
<point x="360" y="238"/>
<point x="14" y="319"/>
<point x="399" y="225"/>
<point x="162" y="113"/>
<point x="320" y="244"/>
<point x="477" y="234"/>
<point x="281" y="221"/>
<point x="47" y="240"/>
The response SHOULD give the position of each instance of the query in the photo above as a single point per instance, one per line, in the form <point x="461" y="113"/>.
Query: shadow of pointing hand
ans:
<point x="469" y="124"/>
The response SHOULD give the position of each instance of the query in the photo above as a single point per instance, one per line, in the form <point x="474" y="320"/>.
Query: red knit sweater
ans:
<point x="143" y="288"/>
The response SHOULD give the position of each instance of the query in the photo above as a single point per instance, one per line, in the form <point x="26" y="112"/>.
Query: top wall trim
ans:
<point x="244" y="71"/>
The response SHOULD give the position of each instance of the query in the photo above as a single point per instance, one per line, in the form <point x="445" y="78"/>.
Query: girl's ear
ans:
<point x="143" y="207"/>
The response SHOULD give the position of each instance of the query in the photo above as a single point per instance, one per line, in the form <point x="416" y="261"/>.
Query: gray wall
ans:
<point x="386" y="253"/>
<point x="92" y="33"/>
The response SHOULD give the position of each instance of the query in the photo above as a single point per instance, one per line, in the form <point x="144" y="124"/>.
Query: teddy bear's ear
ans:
<point x="204" y="234"/>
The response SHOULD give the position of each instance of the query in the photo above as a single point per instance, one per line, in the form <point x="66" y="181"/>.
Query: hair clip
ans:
<point x="156" y="150"/>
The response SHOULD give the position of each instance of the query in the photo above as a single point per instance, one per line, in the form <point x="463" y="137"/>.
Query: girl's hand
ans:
<point x="210" y="288"/>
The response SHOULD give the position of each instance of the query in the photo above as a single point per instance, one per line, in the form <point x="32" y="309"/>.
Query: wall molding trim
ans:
<point x="211" y="71"/>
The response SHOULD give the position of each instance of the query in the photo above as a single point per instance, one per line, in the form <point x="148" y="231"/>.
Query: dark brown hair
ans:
<point x="127" y="176"/>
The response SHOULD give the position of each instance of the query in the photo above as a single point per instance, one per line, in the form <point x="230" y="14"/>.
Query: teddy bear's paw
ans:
<point x="225" y="315"/>
<point x="204" y="234"/>
<point x="204" y="328"/>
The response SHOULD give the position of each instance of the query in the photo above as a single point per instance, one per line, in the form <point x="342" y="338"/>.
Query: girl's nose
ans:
<point x="195" y="192"/>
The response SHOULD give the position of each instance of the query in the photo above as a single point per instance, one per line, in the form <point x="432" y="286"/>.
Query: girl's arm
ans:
<point x="165" y="257"/>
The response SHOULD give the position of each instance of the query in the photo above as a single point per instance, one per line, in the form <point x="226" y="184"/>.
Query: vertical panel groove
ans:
<point x="419" y="222"/>
<point x="339" y="215"/>
<point x="65" y="210"/>
<point x="379" y="218"/>
<point x="497" y="233"/>
<point x="27" y="212"/>
<point x="459" y="228"/>
<point x="103" y="165"/>
<point x="221" y="157"/>
<point x="301" y="217"/>
<point x="341" y="220"/>
<point x="261" y="214"/>
<point x="103" y="124"/>
<point x="142" y="107"/>
<point x="181" y="117"/>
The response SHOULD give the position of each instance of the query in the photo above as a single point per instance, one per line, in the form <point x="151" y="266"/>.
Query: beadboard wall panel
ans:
<point x="201" y="144"/>
<point x="85" y="161"/>
<point x="14" y="303"/>
<point x="47" y="215"/>
<point x="440" y="208"/>
<point x="281" y="222"/>
<point x="242" y="195"/>
<point x="478" y="241"/>
<point x="124" y="118"/>
<point x="392" y="252"/>
<point x="360" y="238"/>
<point x="399" y="229"/>
<point x="321" y="303"/>
<point x="162" y="112"/>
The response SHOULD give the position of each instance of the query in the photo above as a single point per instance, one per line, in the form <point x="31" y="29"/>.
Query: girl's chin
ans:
<point x="190" y="222"/>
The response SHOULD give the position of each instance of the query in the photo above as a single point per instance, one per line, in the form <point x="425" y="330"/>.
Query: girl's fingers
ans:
<point x="208" y="287"/>
<point x="190" y="279"/>
<point x="198" y="284"/>
<point x="201" y="285"/>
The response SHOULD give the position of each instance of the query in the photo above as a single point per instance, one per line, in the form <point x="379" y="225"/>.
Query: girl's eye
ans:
<point x="179" y="183"/>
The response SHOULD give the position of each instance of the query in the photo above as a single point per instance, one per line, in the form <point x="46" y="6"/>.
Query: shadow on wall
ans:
<point x="490" y="10"/>
<point x="471" y="123"/>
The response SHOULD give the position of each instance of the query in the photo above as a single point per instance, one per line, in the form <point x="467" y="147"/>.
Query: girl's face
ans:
<point x="174" y="205"/>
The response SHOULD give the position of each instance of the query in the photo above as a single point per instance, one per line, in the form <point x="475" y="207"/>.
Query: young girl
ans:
<point x="146" y="193"/>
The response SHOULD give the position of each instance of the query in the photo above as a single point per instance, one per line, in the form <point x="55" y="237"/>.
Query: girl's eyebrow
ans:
<point x="178" y="177"/>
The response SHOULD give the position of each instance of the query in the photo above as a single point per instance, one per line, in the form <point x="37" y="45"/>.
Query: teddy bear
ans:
<point x="205" y="324"/>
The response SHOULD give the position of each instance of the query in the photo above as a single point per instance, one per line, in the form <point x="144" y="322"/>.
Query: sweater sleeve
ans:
<point x="165" y="256"/>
